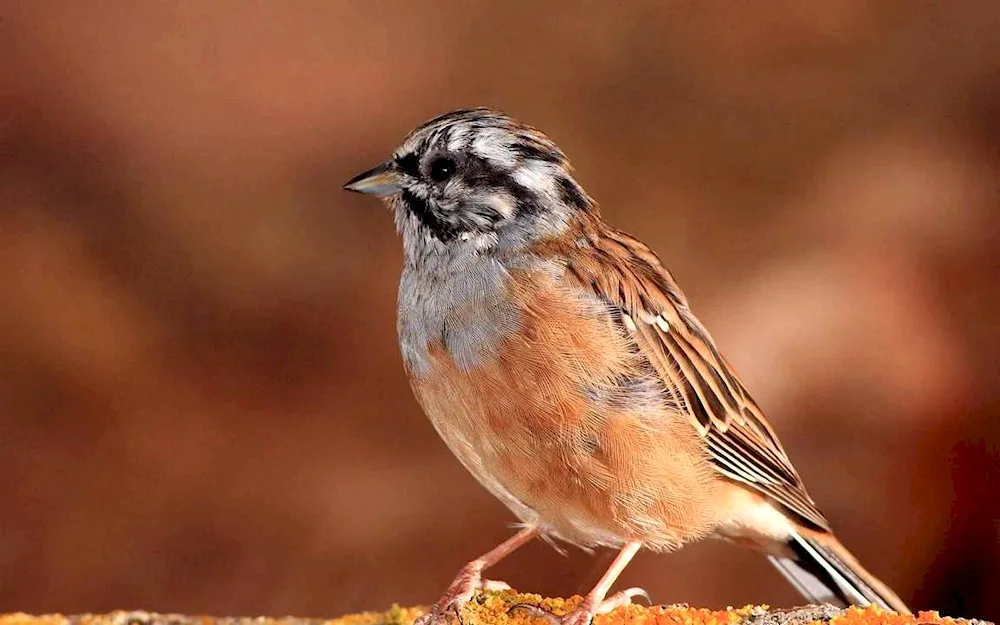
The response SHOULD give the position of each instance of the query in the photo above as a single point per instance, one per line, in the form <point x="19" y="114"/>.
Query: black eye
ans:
<point x="442" y="168"/>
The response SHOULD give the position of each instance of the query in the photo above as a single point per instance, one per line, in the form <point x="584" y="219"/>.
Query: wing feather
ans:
<point x="742" y="445"/>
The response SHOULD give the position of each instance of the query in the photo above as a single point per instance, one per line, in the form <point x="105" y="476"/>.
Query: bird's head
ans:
<point x="476" y="177"/>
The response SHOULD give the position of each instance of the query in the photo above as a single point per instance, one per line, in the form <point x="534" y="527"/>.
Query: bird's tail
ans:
<point x="824" y="571"/>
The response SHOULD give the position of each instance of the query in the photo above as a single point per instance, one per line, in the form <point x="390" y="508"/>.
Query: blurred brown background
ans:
<point x="202" y="408"/>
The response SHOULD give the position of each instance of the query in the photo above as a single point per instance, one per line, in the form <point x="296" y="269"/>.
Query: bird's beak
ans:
<point x="381" y="180"/>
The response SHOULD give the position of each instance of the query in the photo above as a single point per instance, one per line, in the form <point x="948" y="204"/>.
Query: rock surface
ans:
<point x="500" y="608"/>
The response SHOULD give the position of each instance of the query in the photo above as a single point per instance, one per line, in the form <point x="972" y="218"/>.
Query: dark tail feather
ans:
<point x="824" y="571"/>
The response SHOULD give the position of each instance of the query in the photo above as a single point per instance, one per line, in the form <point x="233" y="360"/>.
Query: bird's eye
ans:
<point x="442" y="168"/>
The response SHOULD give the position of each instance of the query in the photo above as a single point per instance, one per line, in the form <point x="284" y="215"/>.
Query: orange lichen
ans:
<point x="502" y="608"/>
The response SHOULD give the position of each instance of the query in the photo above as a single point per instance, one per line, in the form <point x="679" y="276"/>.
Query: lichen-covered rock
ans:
<point x="503" y="608"/>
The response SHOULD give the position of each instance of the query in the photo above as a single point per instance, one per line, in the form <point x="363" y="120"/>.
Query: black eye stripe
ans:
<point x="478" y="173"/>
<point x="409" y="164"/>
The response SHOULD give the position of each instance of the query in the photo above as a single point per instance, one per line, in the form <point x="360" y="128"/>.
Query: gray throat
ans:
<point x="453" y="296"/>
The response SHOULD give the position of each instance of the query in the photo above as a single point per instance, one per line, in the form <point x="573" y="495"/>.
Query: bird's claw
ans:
<point x="534" y="611"/>
<point x="460" y="593"/>
<point x="494" y="585"/>
<point x="584" y="614"/>
<point x="625" y="598"/>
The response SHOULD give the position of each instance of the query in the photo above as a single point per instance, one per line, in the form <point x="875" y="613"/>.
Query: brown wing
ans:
<point x="702" y="383"/>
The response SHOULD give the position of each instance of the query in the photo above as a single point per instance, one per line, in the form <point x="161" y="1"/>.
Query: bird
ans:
<point x="562" y="365"/>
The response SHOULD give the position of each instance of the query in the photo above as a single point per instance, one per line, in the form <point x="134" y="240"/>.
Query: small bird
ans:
<point x="560" y="362"/>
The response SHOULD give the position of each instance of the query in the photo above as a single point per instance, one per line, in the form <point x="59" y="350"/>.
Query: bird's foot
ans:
<point x="588" y="609"/>
<point x="466" y="583"/>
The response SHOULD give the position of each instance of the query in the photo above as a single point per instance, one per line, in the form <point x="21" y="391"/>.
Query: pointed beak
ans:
<point x="381" y="180"/>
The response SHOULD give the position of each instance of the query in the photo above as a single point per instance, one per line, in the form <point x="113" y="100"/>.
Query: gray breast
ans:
<point x="455" y="297"/>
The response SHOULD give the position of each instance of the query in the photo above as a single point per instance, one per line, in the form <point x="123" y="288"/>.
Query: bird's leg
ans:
<point x="470" y="578"/>
<point x="597" y="600"/>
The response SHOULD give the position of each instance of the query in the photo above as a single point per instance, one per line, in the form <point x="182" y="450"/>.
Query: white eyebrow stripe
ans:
<point x="537" y="177"/>
<point x="494" y="144"/>
<point x="457" y="138"/>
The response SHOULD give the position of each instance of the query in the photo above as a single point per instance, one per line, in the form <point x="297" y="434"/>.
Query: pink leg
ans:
<point x="597" y="600"/>
<point x="470" y="578"/>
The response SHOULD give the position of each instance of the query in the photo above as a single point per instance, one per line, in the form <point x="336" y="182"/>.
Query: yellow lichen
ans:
<point x="499" y="608"/>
